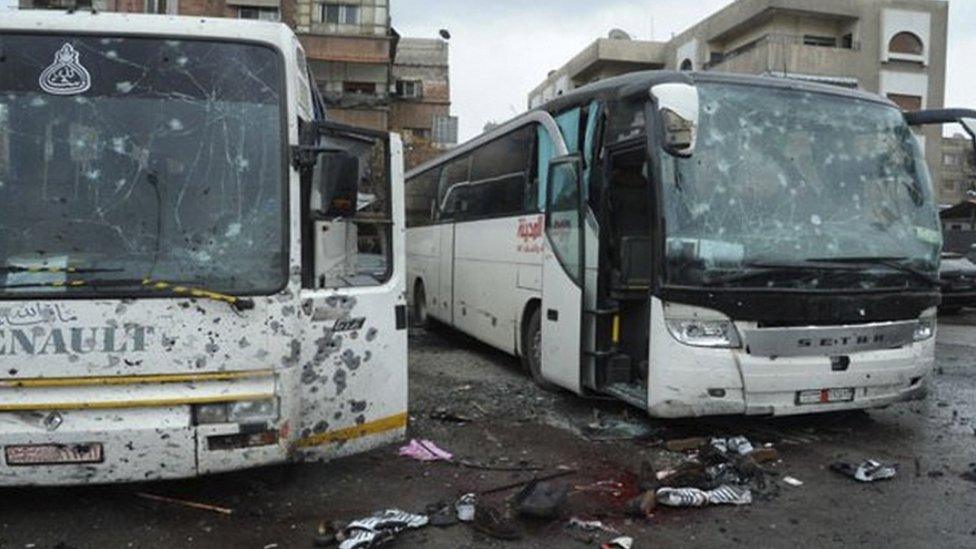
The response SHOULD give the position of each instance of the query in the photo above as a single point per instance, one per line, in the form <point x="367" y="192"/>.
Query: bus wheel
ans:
<point x="532" y="350"/>
<point x="419" y="309"/>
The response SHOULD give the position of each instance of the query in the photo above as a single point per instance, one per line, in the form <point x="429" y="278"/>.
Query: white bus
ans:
<point x="691" y="243"/>
<point x="198" y="272"/>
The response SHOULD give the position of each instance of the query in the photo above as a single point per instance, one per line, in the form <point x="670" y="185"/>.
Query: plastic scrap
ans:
<point x="868" y="471"/>
<point x="793" y="481"/>
<point x="623" y="542"/>
<point x="380" y="528"/>
<point x="424" y="450"/>
<point x="693" y="497"/>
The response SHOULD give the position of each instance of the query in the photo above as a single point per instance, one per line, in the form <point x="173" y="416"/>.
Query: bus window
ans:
<point x="454" y="174"/>
<point x="498" y="182"/>
<point x="421" y="195"/>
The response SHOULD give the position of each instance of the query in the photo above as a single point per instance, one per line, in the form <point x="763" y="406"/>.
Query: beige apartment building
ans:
<point x="958" y="169"/>
<point x="896" y="48"/>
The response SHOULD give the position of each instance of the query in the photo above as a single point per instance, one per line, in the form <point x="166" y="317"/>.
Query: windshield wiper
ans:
<point x="11" y="269"/>
<point x="894" y="263"/>
<point x="178" y="288"/>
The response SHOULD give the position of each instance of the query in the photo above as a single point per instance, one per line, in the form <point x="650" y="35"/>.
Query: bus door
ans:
<point x="562" y="274"/>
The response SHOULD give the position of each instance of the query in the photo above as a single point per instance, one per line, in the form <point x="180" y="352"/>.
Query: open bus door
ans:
<point x="562" y="274"/>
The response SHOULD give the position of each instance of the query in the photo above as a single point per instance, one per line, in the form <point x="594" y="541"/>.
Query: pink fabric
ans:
<point x="424" y="450"/>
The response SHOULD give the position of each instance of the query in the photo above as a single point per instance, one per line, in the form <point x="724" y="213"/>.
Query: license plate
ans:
<point x="53" y="454"/>
<point x="825" y="396"/>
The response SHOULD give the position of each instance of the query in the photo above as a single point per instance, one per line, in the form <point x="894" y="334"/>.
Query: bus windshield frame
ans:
<point x="791" y="189"/>
<point x="142" y="157"/>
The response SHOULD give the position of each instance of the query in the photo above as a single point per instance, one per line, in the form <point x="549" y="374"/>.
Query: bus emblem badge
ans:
<point x="66" y="76"/>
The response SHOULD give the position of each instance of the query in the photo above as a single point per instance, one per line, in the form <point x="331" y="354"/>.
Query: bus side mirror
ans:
<point x="677" y="107"/>
<point x="336" y="181"/>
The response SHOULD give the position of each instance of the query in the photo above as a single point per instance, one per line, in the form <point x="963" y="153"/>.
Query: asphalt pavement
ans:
<point x="476" y="403"/>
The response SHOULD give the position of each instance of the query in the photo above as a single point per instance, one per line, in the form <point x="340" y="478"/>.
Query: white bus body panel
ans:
<point x="129" y="370"/>
<point x="681" y="377"/>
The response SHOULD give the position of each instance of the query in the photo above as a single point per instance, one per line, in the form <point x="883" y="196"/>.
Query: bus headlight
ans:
<point x="925" y="328"/>
<point x="246" y="411"/>
<point x="705" y="333"/>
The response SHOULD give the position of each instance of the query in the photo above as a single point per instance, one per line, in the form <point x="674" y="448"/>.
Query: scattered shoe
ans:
<point x="868" y="471"/>
<point x="465" y="507"/>
<point x="493" y="523"/>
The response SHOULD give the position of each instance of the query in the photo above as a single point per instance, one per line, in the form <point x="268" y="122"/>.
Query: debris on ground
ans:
<point x="693" y="497"/>
<point x="793" y="481"/>
<point x="465" y="507"/>
<point x="380" y="528"/>
<point x="764" y="455"/>
<point x="591" y="526"/>
<point x="326" y="535"/>
<point x="868" y="471"/>
<point x="970" y="475"/>
<point x="521" y="483"/>
<point x="685" y="444"/>
<point x="448" y="416"/>
<point x="494" y="523"/>
<point x="642" y="505"/>
<point x="186" y="503"/>
<point x="441" y="515"/>
<point x="623" y="542"/>
<point x="424" y="450"/>
<point x="541" y="499"/>
<point x="615" y="429"/>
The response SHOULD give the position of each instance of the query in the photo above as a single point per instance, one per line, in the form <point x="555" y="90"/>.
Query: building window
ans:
<point x="687" y="65"/>
<point x="340" y="13"/>
<point x="410" y="89"/>
<point x="847" y="41"/>
<point x="261" y="14"/>
<point x="906" y="43"/>
<point x="950" y="159"/>
<point x="822" y="41"/>
<point x="368" y="88"/>
<point x="906" y="102"/>
<point x="156" y="6"/>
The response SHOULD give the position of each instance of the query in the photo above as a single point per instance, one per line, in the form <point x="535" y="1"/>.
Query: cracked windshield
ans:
<point x="798" y="189"/>
<point x="168" y="167"/>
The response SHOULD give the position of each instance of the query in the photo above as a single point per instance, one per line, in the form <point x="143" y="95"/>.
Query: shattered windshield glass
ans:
<point x="140" y="158"/>
<point x="815" y="190"/>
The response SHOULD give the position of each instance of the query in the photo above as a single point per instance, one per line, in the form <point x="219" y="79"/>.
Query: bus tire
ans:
<point x="419" y="309"/>
<point x="532" y="350"/>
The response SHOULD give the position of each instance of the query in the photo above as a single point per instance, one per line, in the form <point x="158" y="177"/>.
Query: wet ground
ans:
<point x="513" y="425"/>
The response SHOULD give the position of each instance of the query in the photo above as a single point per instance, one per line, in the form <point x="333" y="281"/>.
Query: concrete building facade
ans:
<point x="958" y="169"/>
<point x="421" y="113"/>
<point x="896" y="48"/>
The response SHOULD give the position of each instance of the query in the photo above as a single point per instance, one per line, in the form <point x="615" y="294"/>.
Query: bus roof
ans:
<point x="131" y="24"/>
<point x="638" y="83"/>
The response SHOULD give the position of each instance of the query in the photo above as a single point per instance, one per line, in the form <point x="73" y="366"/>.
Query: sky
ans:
<point x="501" y="49"/>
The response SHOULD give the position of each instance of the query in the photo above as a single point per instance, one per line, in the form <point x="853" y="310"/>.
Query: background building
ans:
<point x="351" y="47"/>
<point x="896" y="48"/>
<point x="958" y="169"/>
<point x="422" y="110"/>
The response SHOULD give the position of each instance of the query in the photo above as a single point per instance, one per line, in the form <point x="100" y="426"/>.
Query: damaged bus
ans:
<point x="198" y="272"/>
<point x="691" y="243"/>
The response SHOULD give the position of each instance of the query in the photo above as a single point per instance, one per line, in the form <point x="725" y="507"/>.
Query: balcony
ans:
<point x="779" y="53"/>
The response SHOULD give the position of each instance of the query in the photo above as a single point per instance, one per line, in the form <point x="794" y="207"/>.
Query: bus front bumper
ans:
<point x="124" y="446"/>
<point x="733" y="382"/>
